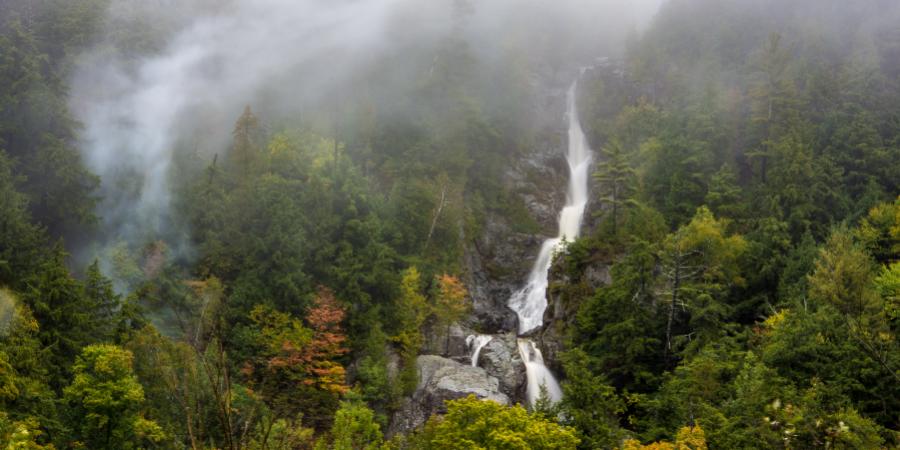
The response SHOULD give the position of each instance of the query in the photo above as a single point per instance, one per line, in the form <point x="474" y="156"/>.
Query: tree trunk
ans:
<point x="437" y="214"/>
<point x="675" y="285"/>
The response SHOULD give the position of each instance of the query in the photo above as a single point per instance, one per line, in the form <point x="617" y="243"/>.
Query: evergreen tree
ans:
<point x="772" y="97"/>
<point x="245" y="156"/>
<point x="590" y="404"/>
<point x="20" y="240"/>
<point x="618" y="181"/>
<point x="106" y="303"/>
<point x="63" y="313"/>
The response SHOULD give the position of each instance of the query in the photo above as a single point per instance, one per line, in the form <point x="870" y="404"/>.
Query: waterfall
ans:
<point x="530" y="302"/>
<point x="476" y="342"/>
<point x="537" y="373"/>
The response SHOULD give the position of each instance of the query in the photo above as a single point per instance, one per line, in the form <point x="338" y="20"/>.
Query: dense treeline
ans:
<point x="319" y="248"/>
<point x="747" y="182"/>
<point x="749" y="214"/>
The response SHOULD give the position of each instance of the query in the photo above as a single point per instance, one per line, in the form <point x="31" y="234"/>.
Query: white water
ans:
<point x="530" y="302"/>
<point x="476" y="342"/>
<point x="537" y="373"/>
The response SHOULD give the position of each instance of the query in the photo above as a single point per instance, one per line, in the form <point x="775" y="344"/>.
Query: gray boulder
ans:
<point x="500" y="359"/>
<point x="442" y="379"/>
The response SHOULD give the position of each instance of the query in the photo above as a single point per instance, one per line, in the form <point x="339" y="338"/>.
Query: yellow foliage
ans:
<point x="691" y="438"/>
<point x="688" y="438"/>
<point x="7" y="310"/>
<point x="776" y="319"/>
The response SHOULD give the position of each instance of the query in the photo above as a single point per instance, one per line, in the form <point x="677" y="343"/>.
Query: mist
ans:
<point x="184" y="94"/>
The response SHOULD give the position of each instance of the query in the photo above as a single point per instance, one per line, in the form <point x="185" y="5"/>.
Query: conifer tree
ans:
<point x="106" y="303"/>
<point x="246" y="152"/>
<point x="772" y="98"/>
<point x="618" y="180"/>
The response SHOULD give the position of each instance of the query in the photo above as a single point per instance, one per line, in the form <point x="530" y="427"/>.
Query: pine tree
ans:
<point x="246" y="152"/>
<point x="772" y="98"/>
<point x="618" y="181"/>
<point x="20" y="240"/>
<point x="62" y="310"/>
<point x="106" y="303"/>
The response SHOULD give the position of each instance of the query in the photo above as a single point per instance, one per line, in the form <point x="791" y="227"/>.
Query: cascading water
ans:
<point x="537" y="373"/>
<point x="530" y="302"/>
<point x="476" y="342"/>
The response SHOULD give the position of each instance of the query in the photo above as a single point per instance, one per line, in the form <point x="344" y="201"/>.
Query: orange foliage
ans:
<point x="450" y="302"/>
<point x="315" y="357"/>
<point x="302" y="354"/>
<point x="328" y="342"/>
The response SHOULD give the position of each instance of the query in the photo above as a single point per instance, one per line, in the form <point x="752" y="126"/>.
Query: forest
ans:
<point x="300" y="224"/>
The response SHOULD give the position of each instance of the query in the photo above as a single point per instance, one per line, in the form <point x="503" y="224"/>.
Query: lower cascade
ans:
<point x="530" y="302"/>
<point x="537" y="373"/>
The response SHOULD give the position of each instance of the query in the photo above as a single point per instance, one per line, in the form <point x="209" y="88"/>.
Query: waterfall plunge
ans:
<point x="530" y="302"/>
<point x="537" y="373"/>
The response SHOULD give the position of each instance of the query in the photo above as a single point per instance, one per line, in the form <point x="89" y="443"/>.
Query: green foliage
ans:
<point x="474" y="424"/>
<point x="617" y="180"/>
<point x="590" y="405"/>
<point x="375" y="386"/>
<point x="699" y="264"/>
<point x="21" y="435"/>
<point x="742" y="291"/>
<point x="176" y="386"/>
<point x="20" y="240"/>
<point x="107" y="398"/>
<point x="62" y="310"/>
<point x="740" y="321"/>
<point x="35" y="126"/>
<point x="412" y="311"/>
<point x="244" y="157"/>
<point x="354" y="428"/>
<point x="888" y="286"/>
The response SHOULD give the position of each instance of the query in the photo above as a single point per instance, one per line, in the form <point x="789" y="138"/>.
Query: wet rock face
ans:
<point x="442" y="379"/>
<point x="500" y="359"/>
<point x="494" y="264"/>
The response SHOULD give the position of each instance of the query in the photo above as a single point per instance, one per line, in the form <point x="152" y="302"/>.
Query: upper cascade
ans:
<point x="530" y="302"/>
